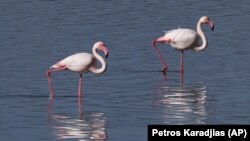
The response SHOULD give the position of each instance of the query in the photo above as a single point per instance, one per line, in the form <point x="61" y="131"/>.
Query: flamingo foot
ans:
<point x="51" y="97"/>
<point x="164" y="69"/>
<point x="79" y="95"/>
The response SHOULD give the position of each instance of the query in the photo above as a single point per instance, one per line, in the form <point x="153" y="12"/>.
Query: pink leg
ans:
<point x="80" y="105"/>
<point x="51" y="102"/>
<point x="181" y="66"/>
<point x="49" y="80"/>
<point x="80" y="95"/>
<point x="80" y="86"/>
<point x="50" y="86"/>
<point x="163" y="62"/>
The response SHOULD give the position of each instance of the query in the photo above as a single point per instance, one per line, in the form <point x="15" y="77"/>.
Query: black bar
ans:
<point x="202" y="132"/>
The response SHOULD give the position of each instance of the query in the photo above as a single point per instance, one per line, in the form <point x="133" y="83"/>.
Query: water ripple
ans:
<point x="182" y="104"/>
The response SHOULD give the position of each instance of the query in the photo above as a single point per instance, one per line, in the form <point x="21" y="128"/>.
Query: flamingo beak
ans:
<point x="211" y="24"/>
<point x="106" y="51"/>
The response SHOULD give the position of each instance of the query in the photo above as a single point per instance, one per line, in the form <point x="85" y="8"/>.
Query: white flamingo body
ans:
<point x="80" y="63"/>
<point x="184" y="39"/>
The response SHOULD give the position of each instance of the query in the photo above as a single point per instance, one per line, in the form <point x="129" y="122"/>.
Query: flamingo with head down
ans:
<point x="81" y="63"/>
<point x="184" y="39"/>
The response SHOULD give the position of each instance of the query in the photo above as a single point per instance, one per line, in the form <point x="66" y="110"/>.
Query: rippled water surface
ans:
<point x="132" y="93"/>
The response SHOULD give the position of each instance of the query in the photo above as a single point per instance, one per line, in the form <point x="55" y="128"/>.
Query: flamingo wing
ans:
<point x="79" y="62"/>
<point x="182" y="38"/>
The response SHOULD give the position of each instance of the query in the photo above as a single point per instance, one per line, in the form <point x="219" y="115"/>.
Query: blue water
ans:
<point x="132" y="93"/>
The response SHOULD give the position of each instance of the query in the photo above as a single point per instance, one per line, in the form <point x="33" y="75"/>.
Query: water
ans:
<point x="132" y="93"/>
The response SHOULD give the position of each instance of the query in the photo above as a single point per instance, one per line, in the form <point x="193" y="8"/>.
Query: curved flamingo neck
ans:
<point x="99" y="58"/>
<point x="203" y="38"/>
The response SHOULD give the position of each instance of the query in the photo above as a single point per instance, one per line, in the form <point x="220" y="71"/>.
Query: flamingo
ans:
<point x="80" y="63"/>
<point x="184" y="39"/>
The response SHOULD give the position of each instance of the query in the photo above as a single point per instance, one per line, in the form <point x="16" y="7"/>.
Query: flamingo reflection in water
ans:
<point x="181" y="104"/>
<point x="90" y="125"/>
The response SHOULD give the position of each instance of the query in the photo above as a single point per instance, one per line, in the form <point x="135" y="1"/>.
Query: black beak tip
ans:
<point x="107" y="56"/>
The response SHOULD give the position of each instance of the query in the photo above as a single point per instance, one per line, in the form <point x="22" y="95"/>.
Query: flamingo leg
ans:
<point x="80" y="96"/>
<point x="50" y="87"/>
<point x="80" y="106"/>
<point x="80" y="87"/>
<point x="50" y="107"/>
<point x="181" y="66"/>
<point x="163" y="62"/>
<point x="50" y="82"/>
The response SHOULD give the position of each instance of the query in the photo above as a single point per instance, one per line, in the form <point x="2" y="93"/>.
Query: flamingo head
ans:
<point x="207" y="20"/>
<point x="101" y="46"/>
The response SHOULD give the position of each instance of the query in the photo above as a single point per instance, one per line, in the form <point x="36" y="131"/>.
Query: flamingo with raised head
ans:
<point x="184" y="39"/>
<point x="80" y="63"/>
